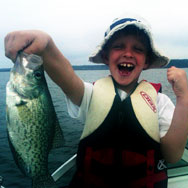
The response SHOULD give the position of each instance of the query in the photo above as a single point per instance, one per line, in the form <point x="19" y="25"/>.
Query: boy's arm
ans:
<point x="62" y="73"/>
<point x="55" y="64"/>
<point x="173" y="143"/>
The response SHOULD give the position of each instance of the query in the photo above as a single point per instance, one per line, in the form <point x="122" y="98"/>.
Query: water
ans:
<point x="13" y="178"/>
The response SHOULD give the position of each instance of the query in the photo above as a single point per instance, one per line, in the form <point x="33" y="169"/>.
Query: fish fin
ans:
<point x="58" y="140"/>
<point x="44" y="182"/>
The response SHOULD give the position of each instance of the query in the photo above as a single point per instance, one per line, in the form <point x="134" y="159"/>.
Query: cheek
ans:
<point x="142" y="60"/>
<point x="112" y="68"/>
<point x="113" y="59"/>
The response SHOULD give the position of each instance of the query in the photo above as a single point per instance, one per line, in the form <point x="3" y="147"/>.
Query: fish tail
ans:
<point x="44" y="182"/>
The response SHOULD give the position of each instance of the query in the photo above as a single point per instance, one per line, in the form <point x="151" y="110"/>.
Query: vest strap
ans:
<point x="144" y="100"/>
<point x="101" y="103"/>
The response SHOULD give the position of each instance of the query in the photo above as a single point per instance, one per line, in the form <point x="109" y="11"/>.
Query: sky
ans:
<point x="78" y="26"/>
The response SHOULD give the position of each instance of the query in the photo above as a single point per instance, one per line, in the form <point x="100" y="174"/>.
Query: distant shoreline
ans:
<point x="75" y="67"/>
<point x="5" y="70"/>
<point x="180" y="63"/>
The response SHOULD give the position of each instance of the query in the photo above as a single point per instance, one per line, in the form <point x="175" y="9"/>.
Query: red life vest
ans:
<point x="120" y="152"/>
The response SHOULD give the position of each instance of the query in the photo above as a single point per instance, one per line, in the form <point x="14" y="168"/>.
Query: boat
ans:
<point x="65" y="167"/>
<point x="177" y="173"/>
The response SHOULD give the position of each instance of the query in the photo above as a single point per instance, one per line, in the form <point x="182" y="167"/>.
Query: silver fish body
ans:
<point x="32" y="124"/>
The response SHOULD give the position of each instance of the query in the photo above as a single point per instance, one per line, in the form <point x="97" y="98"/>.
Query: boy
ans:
<point x="130" y="128"/>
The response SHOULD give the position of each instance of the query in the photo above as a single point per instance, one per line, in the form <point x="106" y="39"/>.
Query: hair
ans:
<point x="141" y="35"/>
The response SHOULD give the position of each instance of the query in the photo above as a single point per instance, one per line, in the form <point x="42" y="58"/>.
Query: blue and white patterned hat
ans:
<point x="119" y="24"/>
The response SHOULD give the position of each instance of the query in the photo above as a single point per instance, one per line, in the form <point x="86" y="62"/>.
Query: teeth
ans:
<point x="126" y="65"/>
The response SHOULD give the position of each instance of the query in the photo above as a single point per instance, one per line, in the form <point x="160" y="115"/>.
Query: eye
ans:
<point x="38" y="75"/>
<point x="139" y="49"/>
<point x="118" y="46"/>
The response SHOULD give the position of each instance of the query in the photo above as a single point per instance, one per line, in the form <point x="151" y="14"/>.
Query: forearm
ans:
<point x="62" y="73"/>
<point x="173" y="143"/>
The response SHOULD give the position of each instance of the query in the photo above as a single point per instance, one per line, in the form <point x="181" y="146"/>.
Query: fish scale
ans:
<point x="32" y="124"/>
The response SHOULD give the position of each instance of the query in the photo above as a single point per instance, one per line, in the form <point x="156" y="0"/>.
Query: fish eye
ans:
<point x="38" y="74"/>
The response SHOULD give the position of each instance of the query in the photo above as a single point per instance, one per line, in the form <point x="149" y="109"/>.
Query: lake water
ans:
<point x="12" y="176"/>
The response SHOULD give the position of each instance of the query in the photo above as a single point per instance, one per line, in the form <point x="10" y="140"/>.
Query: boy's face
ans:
<point x="126" y="59"/>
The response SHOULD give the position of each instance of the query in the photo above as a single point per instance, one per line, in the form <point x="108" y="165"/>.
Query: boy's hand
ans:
<point x="178" y="79"/>
<point x="31" y="42"/>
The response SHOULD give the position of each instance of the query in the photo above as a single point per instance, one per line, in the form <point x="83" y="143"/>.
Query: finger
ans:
<point x="171" y="75"/>
<point x="31" y="42"/>
<point x="15" y="42"/>
<point x="171" y="70"/>
<point x="9" y="50"/>
<point x="37" y="46"/>
<point x="12" y="46"/>
<point x="171" y="80"/>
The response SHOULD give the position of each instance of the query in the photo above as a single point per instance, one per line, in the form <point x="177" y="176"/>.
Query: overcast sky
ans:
<point x="77" y="26"/>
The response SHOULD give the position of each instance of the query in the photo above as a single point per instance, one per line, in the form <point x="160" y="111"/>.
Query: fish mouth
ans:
<point x="125" y="68"/>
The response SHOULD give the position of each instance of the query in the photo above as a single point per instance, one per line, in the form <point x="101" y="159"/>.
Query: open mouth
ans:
<point x="125" y="68"/>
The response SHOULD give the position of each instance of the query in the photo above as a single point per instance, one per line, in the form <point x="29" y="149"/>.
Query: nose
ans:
<point x="128" y="52"/>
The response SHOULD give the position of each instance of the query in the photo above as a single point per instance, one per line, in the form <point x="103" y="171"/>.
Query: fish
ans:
<point x="32" y="124"/>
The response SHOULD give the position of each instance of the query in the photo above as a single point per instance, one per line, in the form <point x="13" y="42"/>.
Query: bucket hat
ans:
<point x="156" y="61"/>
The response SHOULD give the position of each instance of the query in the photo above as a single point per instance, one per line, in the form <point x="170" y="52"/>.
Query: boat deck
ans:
<point x="178" y="173"/>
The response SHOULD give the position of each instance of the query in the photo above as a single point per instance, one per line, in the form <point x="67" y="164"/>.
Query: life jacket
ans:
<point x="120" y="144"/>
